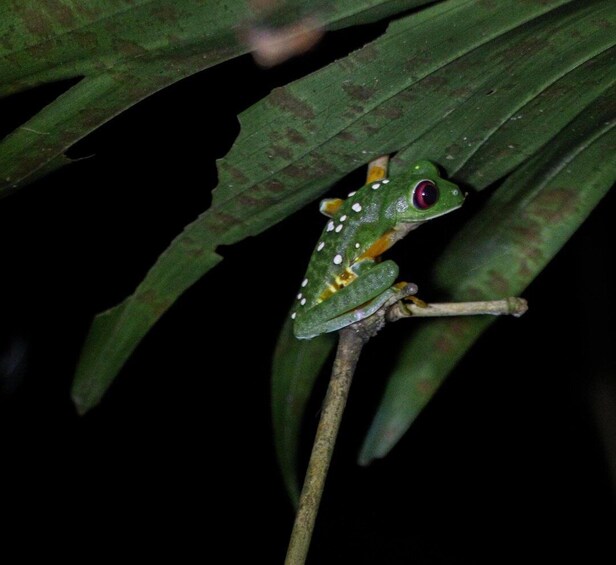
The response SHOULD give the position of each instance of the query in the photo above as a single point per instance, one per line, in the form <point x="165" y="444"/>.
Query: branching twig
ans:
<point x="352" y="339"/>
<point x="513" y="306"/>
<point x="350" y="344"/>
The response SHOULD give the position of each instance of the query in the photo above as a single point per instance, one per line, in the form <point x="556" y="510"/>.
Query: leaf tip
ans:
<point x="84" y="397"/>
<point x="384" y="433"/>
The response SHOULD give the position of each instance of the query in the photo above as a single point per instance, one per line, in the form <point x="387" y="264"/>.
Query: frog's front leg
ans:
<point x="354" y="302"/>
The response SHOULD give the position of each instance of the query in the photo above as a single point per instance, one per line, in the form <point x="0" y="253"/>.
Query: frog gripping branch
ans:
<point x="347" y="288"/>
<point x="346" y="281"/>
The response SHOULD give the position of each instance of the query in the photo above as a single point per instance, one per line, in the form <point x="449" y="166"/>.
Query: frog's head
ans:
<point x="428" y="195"/>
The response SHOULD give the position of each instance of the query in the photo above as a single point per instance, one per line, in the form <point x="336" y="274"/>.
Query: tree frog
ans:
<point x="346" y="281"/>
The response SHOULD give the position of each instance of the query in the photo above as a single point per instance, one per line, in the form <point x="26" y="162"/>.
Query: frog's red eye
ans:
<point x="425" y="194"/>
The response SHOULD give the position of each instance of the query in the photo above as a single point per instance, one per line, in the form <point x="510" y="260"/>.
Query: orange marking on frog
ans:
<point x="329" y="291"/>
<point x="343" y="279"/>
<point x="375" y="174"/>
<point x="377" y="169"/>
<point x="330" y="206"/>
<point x="379" y="246"/>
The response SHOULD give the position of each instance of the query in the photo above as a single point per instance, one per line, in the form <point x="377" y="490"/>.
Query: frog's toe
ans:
<point x="417" y="301"/>
<point x="406" y="288"/>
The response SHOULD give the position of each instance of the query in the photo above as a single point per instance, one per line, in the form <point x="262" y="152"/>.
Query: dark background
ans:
<point x="511" y="460"/>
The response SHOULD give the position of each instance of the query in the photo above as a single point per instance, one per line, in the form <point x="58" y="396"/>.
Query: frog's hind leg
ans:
<point x="354" y="302"/>
<point x="363" y="311"/>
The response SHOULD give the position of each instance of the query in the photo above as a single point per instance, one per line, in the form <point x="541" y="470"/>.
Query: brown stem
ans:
<point x="513" y="306"/>
<point x="350" y="344"/>
<point x="349" y="349"/>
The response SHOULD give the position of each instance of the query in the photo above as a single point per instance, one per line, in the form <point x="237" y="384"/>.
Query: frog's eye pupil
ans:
<point x="425" y="195"/>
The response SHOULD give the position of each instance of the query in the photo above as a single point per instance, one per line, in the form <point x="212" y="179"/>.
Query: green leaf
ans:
<point x="524" y="224"/>
<point x="481" y="116"/>
<point x="302" y="138"/>
<point x="235" y="213"/>
<point x="393" y="93"/>
<point x="378" y="100"/>
<point x="295" y="368"/>
<point x="124" y="50"/>
<point x="516" y="93"/>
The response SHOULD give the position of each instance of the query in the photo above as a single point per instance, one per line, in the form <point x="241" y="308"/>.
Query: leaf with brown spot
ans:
<point x="460" y="99"/>
<point x="125" y="51"/>
<point x="499" y="253"/>
<point x="437" y="102"/>
<point x="360" y="92"/>
<point x="241" y="207"/>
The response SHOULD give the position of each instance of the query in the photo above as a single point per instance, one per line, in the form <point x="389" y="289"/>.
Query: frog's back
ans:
<point x="359" y="230"/>
<point x="360" y="221"/>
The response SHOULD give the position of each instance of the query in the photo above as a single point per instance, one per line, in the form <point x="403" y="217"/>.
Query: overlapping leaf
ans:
<point x="305" y="136"/>
<point x="494" y="108"/>
<point x="498" y="254"/>
<point x="124" y="50"/>
<point x="298" y="368"/>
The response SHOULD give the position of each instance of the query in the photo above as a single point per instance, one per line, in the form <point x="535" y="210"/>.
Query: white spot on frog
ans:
<point x="293" y="315"/>
<point x="343" y="217"/>
<point x="338" y="259"/>
<point x="320" y="246"/>
<point x="376" y="185"/>
<point x="357" y="246"/>
<point x="299" y="295"/>
<point x="303" y="301"/>
<point x="338" y="228"/>
<point x="385" y="181"/>
<point x="351" y="194"/>
<point x="330" y="225"/>
<point x="304" y="282"/>
<point x="356" y="207"/>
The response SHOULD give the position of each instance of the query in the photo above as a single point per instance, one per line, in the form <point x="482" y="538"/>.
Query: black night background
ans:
<point x="515" y="457"/>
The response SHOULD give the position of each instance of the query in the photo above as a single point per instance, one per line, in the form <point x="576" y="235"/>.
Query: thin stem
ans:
<point x="350" y="344"/>
<point x="512" y="306"/>
<point x="347" y="355"/>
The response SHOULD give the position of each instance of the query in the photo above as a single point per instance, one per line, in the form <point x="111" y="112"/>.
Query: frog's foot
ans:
<point x="417" y="301"/>
<point x="406" y="289"/>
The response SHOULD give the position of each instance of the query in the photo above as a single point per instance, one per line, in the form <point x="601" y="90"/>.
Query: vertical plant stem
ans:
<point x="349" y="348"/>
<point x="350" y="343"/>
